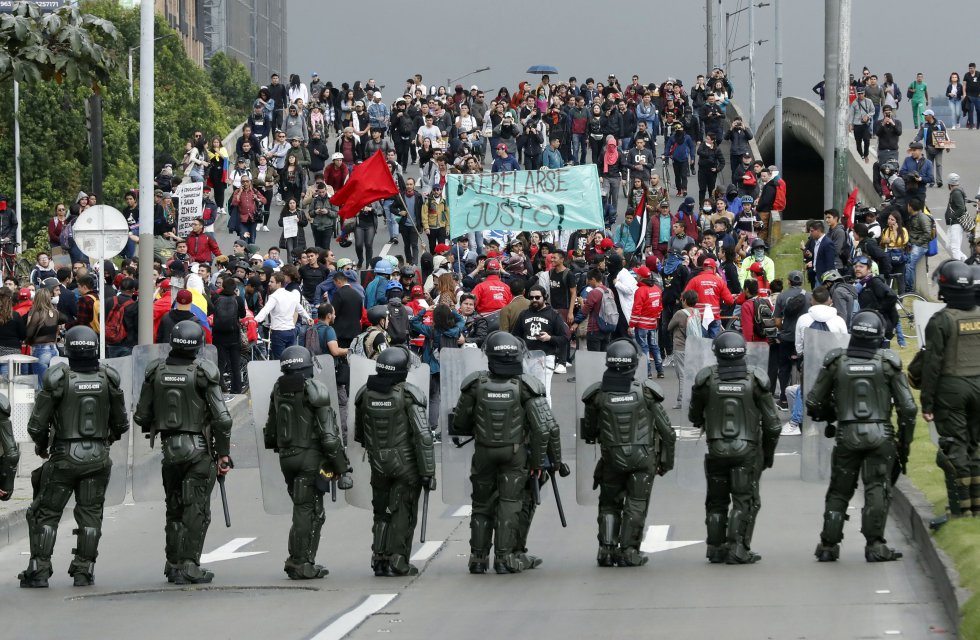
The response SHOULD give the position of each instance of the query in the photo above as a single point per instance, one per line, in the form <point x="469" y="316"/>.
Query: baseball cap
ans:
<point x="607" y="243"/>
<point x="492" y="265"/>
<point x="501" y="146"/>
<point x="710" y="263"/>
<point x="929" y="112"/>
<point x="344" y="262"/>
<point x="437" y="187"/>
<point x="642" y="272"/>
<point x="257" y="256"/>
<point x="441" y="248"/>
<point x="915" y="145"/>
<point x="337" y="156"/>
<point x="50" y="283"/>
<point x="241" y="243"/>
<point x="158" y="193"/>
<point x="417" y="290"/>
<point x="184" y="297"/>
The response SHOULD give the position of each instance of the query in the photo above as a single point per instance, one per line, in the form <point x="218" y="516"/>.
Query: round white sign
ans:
<point x="101" y="232"/>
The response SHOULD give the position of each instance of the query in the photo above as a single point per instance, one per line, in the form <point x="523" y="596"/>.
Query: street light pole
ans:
<point x="778" y="111"/>
<point x="146" y="283"/>
<point x="710" y="33"/>
<point x="752" y="65"/>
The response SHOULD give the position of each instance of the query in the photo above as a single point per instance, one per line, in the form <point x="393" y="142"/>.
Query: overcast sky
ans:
<point x="390" y="40"/>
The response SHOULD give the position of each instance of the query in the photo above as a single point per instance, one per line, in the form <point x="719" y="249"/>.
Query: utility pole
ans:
<point x="778" y="112"/>
<point x="837" y="52"/>
<point x="752" y="65"/>
<point x="94" y="109"/>
<point x="841" y="151"/>
<point x="146" y="283"/>
<point x="709" y="21"/>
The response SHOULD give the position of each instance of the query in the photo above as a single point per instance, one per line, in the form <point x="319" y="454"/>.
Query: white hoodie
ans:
<point x="819" y="313"/>
<point x="626" y="286"/>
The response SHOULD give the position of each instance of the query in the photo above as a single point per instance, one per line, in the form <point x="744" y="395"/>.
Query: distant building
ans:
<point x="252" y="31"/>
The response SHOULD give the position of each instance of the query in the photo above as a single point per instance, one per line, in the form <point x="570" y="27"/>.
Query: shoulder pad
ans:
<point x="591" y="391"/>
<point x="470" y="380"/>
<point x="4" y="407"/>
<point x="652" y="388"/>
<point x="415" y="394"/>
<point x="761" y="377"/>
<point x="111" y="374"/>
<point x="890" y="357"/>
<point x="359" y="395"/>
<point x="832" y="356"/>
<point x="534" y="385"/>
<point x="703" y="376"/>
<point x="210" y="371"/>
<point x="318" y="393"/>
<point x="55" y="376"/>
<point x="151" y="369"/>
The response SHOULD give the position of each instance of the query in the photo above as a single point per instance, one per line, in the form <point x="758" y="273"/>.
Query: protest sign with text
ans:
<point x="190" y="207"/>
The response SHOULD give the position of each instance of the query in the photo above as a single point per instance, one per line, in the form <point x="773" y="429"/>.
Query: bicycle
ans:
<point x="8" y="258"/>
<point x="906" y="314"/>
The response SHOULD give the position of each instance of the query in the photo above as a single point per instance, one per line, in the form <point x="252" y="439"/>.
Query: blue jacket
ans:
<point x="328" y="287"/>
<point x="683" y="152"/>
<point x="924" y="167"/>
<point x="551" y="158"/>
<point x="375" y="292"/>
<point x="505" y="164"/>
<point x="434" y="337"/>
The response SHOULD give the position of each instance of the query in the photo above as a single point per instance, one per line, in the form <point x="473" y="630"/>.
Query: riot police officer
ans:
<point x="303" y="429"/>
<point x="637" y="443"/>
<point x="9" y="451"/>
<point x="951" y="379"/>
<point x="392" y="425"/>
<point x="732" y="404"/>
<point x="507" y="412"/>
<point x="79" y="413"/>
<point x="181" y="402"/>
<point x="856" y="389"/>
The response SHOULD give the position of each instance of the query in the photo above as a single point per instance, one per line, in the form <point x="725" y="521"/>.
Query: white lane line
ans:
<point x="463" y="512"/>
<point x="353" y="618"/>
<point x="789" y="453"/>
<point x="426" y="551"/>
<point x="230" y="551"/>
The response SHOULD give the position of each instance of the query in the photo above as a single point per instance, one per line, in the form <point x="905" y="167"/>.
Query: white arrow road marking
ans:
<point x="353" y="618"/>
<point x="655" y="540"/>
<point x="788" y="453"/>
<point x="463" y="512"/>
<point x="426" y="551"/>
<point x="229" y="551"/>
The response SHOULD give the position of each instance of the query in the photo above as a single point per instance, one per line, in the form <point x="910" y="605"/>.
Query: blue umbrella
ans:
<point x="542" y="69"/>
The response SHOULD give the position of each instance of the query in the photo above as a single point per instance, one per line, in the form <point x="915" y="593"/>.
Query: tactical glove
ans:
<point x="830" y="431"/>
<point x="429" y="483"/>
<point x="564" y="471"/>
<point x="345" y="482"/>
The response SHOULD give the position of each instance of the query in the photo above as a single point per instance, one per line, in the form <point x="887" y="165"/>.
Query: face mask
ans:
<point x="759" y="254"/>
<point x="706" y="208"/>
<point x="54" y="299"/>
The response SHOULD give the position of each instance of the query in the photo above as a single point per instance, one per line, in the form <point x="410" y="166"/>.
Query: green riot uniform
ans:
<point x="738" y="416"/>
<point x="857" y="388"/>
<point x="181" y="402"/>
<point x="302" y="427"/>
<point x="76" y="417"/>
<point x="392" y="425"/>
<point x="951" y="391"/>
<point x="529" y="505"/>
<point x="9" y="451"/>
<point x="637" y="443"/>
<point x="511" y="422"/>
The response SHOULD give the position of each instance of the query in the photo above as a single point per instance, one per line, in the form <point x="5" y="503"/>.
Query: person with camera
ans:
<point x="859" y="118"/>
<point x="739" y="135"/>
<point x="931" y="133"/>
<point x="917" y="171"/>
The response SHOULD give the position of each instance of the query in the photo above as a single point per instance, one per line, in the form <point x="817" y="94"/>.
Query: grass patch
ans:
<point x="787" y="255"/>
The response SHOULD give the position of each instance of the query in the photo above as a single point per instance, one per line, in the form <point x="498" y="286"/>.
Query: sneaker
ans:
<point x="783" y="405"/>
<point x="571" y="378"/>
<point x="265" y="227"/>
<point x="660" y="374"/>
<point x="394" y="241"/>
<point x="790" y="429"/>
<point x="560" y="368"/>
<point x="669" y="361"/>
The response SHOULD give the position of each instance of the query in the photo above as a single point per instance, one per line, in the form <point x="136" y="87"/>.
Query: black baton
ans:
<point x="561" y="509"/>
<point x="425" y="514"/>
<point x="535" y="489"/>
<point x="224" y="500"/>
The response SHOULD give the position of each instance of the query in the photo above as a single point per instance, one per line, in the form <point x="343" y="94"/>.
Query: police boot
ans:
<point x="827" y="552"/>
<point x="608" y="555"/>
<point x="632" y="557"/>
<point x="379" y="546"/>
<point x="717" y="554"/>
<point x="509" y="563"/>
<point x="305" y="571"/>
<point x="397" y="566"/>
<point x="82" y="567"/>
<point x="739" y="532"/>
<point x="530" y="562"/>
<point x="478" y="563"/>
<point x="39" y="568"/>
<point x="738" y="553"/>
<point x="190" y="573"/>
<point x="34" y="577"/>
<point x="880" y="552"/>
<point x="717" y="524"/>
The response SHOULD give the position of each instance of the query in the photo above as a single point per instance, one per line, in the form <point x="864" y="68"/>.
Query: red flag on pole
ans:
<point x="371" y="181"/>
<point x="849" y="207"/>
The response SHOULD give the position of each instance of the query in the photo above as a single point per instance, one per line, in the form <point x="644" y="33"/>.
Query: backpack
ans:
<point x="933" y="242"/>
<point x="314" y="340"/>
<point x="794" y="306"/>
<point x="763" y="325"/>
<point x="115" y="328"/>
<point x="225" y="311"/>
<point x="398" y="322"/>
<point x="608" y="317"/>
<point x="67" y="237"/>
<point x="779" y="202"/>
<point x="819" y="326"/>
<point x="363" y="343"/>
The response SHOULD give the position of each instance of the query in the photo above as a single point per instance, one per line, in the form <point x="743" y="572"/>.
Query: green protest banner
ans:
<point x="542" y="200"/>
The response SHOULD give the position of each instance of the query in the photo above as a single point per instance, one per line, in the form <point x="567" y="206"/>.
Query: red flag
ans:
<point x="849" y="207"/>
<point x="371" y="181"/>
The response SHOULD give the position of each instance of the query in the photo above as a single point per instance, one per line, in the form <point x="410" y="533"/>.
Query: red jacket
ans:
<point x="647" y="307"/>
<point x="491" y="294"/>
<point x="202" y="247"/>
<point x="748" y="321"/>
<point x="711" y="290"/>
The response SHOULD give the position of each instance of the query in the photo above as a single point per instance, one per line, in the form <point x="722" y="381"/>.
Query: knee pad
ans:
<point x="639" y="486"/>
<point x="717" y="524"/>
<point x="833" y="527"/>
<point x="87" y="543"/>
<point x="738" y="525"/>
<point x="482" y="490"/>
<point x="42" y="542"/>
<point x="743" y="478"/>
<point x="609" y="524"/>
<point x="510" y="486"/>
<point x="91" y="492"/>
<point x="481" y="534"/>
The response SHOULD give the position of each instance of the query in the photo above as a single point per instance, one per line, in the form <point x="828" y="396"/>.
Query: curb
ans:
<point x="913" y="512"/>
<point x="13" y="524"/>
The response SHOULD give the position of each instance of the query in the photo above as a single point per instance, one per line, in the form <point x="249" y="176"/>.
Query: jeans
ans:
<point x="862" y="139"/>
<point x="647" y="339"/>
<point x="390" y="220"/>
<point x="246" y="231"/>
<point x="410" y="244"/>
<point x="794" y="396"/>
<point x="322" y="238"/>
<point x="579" y="147"/>
<point x="957" y="111"/>
<point x="117" y="351"/>
<point x="918" y="252"/>
<point x="44" y="353"/>
<point x="786" y="362"/>
<point x="279" y="340"/>
<point x="973" y="112"/>
<point x="596" y="340"/>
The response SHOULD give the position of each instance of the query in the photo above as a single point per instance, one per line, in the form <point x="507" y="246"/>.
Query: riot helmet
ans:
<point x="393" y="363"/>
<point x="186" y="338"/>
<point x="622" y="356"/>
<point x="729" y="349"/>
<point x="955" y="280"/>
<point x="505" y="354"/>
<point x="867" y="333"/>
<point x="376" y="314"/>
<point x="82" y="349"/>
<point x="296" y="359"/>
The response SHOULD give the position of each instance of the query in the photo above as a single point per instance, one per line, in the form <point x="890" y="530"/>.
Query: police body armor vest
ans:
<point x="499" y="412"/>
<point x="386" y="431"/>
<point x="625" y="429"/>
<point x="863" y="402"/>
<point x="962" y="356"/>
<point x="732" y="419"/>
<point x="83" y="413"/>
<point x="294" y="421"/>
<point x="180" y="404"/>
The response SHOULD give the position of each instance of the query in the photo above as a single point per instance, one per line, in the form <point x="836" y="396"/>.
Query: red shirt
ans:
<point x="491" y="295"/>
<point x="647" y="307"/>
<point x="711" y="290"/>
<point x="748" y="321"/>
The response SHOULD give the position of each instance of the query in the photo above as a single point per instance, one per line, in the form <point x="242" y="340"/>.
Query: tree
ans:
<point x="231" y="81"/>
<point x="64" y="45"/>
